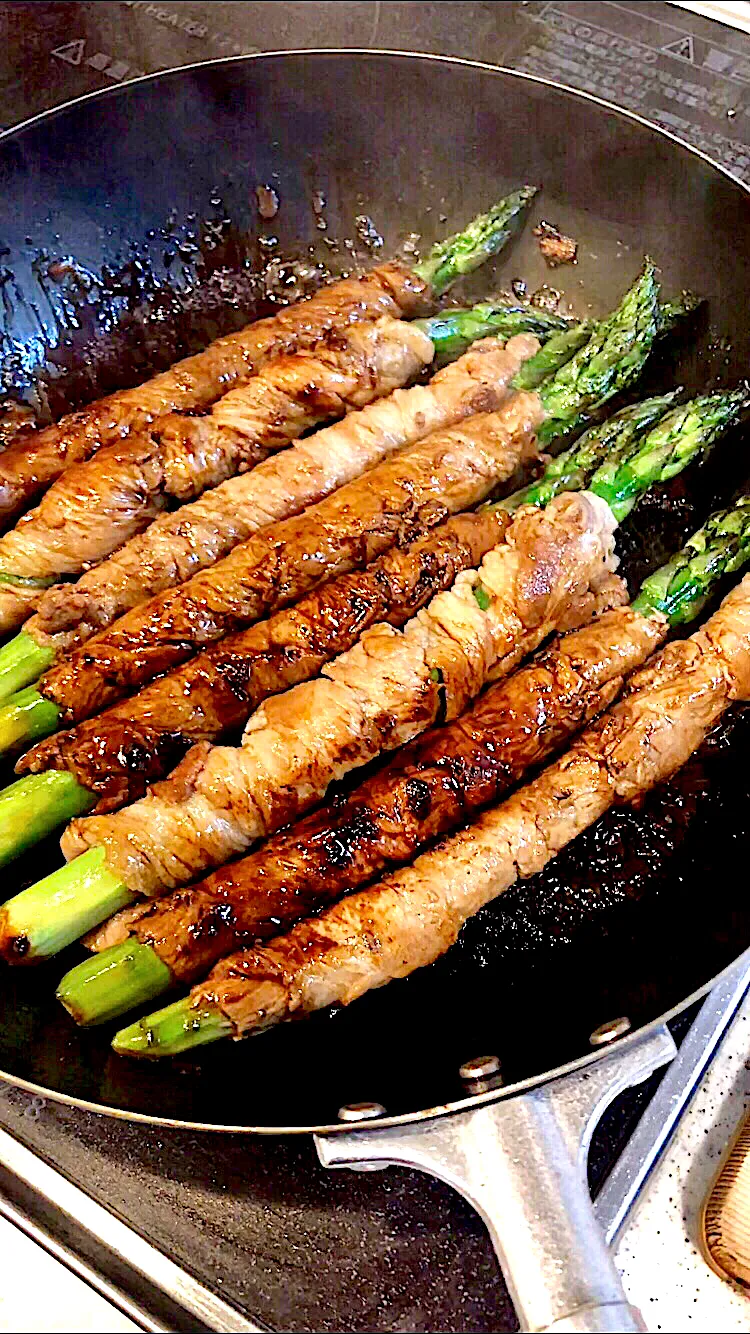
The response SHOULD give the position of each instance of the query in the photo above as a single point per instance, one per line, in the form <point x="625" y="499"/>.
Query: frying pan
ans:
<point x="131" y="233"/>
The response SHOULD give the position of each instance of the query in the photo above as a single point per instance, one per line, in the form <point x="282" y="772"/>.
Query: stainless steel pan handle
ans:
<point x="521" y="1162"/>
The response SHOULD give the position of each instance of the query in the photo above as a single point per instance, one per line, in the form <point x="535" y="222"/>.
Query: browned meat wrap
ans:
<point x="178" y="545"/>
<point x="414" y="915"/>
<point x="549" y="573"/>
<point x="14" y="418"/>
<point x="36" y="458"/>
<point x="432" y="786"/>
<point x="448" y="472"/>
<point x="139" y="740"/>
<point x="99" y="504"/>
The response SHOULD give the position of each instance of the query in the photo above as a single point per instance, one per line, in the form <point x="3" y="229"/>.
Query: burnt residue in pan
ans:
<point x="88" y="333"/>
<point x="94" y="332"/>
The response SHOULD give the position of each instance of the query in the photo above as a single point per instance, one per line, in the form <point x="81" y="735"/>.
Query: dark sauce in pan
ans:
<point x="631" y="855"/>
<point x="96" y="332"/>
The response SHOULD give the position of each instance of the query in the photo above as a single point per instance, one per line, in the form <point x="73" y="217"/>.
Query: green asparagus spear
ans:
<point x="27" y="718"/>
<point x="71" y="899"/>
<point x="693" y="427"/>
<point x="553" y="356"/>
<point x="33" y="797"/>
<point x="27" y="580"/>
<point x="453" y="331"/>
<point x="463" y="253"/>
<point x="107" y="982"/>
<point x="660" y="453"/>
<point x="612" y="358"/>
<point x="562" y="345"/>
<point x="673" y="313"/>
<point x="22" y="662"/>
<point x="681" y="588"/>
<point x="571" y="470"/>
<point x="114" y="981"/>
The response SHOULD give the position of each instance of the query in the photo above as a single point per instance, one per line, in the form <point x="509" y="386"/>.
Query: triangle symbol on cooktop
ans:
<point x="683" y="48"/>
<point x="71" y="52"/>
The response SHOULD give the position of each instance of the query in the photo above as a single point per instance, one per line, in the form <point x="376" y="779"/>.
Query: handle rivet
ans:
<point x="361" y="1111"/>
<point x="482" y="1067"/>
<point x="610" y="1032"/>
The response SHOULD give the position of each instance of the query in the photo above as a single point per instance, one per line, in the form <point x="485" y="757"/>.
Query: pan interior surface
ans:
<point x="650" y="908"/>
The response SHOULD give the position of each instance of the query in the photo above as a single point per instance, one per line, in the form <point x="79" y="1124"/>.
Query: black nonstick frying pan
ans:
<point x="129" y="233"/>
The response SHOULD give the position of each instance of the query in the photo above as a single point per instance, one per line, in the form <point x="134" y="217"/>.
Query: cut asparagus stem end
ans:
<point x="464" y="252"/>
<point x="35" y="806"/>
<point x="22" y="662"/>
<point x="608" y="441"/>
<point x="109" y="984"/>
<point x="43" y="919"/>
<point x="177" y="1028"/>
<point x="687" y="432"/>
<point x="453" y="331"/>
<point x="27" y="717"/>
<point x="679" y="589"/>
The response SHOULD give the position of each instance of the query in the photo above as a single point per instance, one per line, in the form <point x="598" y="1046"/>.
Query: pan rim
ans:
<point x="315" y="51"/>
<point x="580" y="1063"/>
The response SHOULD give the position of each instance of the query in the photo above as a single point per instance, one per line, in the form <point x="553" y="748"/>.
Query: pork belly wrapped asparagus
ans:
<point x="554" y="568"/>
<point x="414" y="915"/>
<point x="179" y="544"/>
<point x="98" y="505"/>
<point x="35" y="459"/>
<point x="137" y="741"/>
<point x="385" y="690"/>
<point x="433" y="785"/>
<point x="274" y="569"/>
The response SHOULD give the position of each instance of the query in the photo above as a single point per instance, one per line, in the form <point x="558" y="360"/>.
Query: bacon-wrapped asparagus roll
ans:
<point x="555" y="568"/>
<point x="37" y="458"/>
<point x="178" y="545"/>
<point x="448" y="471"/>
<point x="414" y="915"/>
<point x="550" y="570"/>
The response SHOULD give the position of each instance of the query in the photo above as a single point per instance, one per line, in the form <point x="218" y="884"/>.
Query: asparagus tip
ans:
<point x="458" y="255"/>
